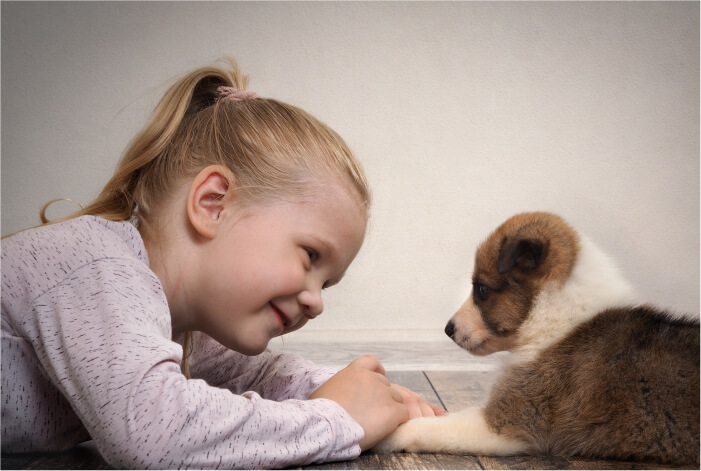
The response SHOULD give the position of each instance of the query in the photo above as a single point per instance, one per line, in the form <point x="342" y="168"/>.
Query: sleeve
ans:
<point x="273" y="375"/>
<point x="103" y="337"/>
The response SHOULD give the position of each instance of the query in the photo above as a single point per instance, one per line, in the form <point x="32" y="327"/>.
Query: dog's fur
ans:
<point x="592" y="374"/>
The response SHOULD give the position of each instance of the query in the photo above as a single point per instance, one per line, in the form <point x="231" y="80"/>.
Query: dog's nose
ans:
<point x="450" y="330"/>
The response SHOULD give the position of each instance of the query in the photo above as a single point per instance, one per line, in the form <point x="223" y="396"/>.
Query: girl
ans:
<point x="225" y="219"/>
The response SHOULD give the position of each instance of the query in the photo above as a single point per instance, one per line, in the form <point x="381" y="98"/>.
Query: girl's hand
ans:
<point x="417" y="405"/>
<point x="363" y="390"/>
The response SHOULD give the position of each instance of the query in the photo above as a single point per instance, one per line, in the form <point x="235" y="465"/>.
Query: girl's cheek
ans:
<point x="294" y="279"/>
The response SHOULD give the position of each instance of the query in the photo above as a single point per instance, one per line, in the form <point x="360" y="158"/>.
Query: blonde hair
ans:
<point x="273" y="149"/>
<point x="269" y="146"/>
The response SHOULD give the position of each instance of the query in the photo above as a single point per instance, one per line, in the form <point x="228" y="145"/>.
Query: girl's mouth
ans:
<point x="281" y="316"/>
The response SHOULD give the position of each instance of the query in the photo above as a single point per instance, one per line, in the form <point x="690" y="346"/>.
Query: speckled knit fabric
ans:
<point x="87" y="353"/>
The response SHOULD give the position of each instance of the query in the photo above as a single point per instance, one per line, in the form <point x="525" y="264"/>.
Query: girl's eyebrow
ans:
<point x="328" y="247"/>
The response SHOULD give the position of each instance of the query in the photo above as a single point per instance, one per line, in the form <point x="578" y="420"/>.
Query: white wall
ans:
<point x="463" y="114"/>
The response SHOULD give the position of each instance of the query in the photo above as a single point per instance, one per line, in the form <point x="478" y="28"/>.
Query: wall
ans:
<point x="463" y="114"/>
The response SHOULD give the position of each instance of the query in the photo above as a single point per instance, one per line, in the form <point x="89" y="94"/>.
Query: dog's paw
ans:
<point x="407" y="437"/>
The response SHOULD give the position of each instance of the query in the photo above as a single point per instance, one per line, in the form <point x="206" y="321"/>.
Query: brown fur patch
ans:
<point x="624" y="385"/>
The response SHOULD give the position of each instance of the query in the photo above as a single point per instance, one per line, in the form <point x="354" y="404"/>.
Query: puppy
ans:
<point x="591" y="373"/>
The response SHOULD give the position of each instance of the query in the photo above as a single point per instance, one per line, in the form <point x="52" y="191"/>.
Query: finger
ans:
<point x="383" y="379"/>
<point x="426" y="409"/>
<point x="404" y="415"/>
<point x="414" y="408"/>
<point x="415" y="403"/>
<point x="396" y="395"/>
<point x="418" y="406"/>
<point x="371" y="363"/>
<point x="409" y="395"/>
<point x="404" y="391"/>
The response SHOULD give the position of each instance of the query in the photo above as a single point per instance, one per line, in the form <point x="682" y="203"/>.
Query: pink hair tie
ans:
<point x="235" y="94"/>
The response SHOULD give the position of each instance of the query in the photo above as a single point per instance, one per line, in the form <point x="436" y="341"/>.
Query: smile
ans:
<point x="280" y="314"/>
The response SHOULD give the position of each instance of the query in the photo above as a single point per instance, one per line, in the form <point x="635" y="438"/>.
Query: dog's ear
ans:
<point x="524" y="254"/>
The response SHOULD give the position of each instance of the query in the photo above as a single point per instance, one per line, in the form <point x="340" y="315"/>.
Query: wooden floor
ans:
<point x="453" y="390"/>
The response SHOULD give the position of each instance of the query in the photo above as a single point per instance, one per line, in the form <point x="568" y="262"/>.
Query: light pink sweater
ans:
<point x="87" y="353"/>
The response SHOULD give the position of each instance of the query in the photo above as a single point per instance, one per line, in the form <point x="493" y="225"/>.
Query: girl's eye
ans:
<point x="481" y="291"/>
<point x="313" y="255"/>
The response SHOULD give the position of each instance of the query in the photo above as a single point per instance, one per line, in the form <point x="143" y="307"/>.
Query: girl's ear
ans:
<point x="207" y="198"/>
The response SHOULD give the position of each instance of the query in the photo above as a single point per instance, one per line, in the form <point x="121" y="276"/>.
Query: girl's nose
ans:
<point x="311" y="300"/>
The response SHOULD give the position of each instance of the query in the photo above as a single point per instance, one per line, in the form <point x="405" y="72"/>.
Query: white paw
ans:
<point x="407" y="437"/>
<point x="462" y="432"/>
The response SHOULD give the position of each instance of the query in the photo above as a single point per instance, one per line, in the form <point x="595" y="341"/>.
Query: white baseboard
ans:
<point x="398" y="350"/>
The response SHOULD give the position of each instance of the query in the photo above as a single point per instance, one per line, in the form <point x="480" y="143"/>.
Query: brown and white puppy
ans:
<point x="591" y="373"/>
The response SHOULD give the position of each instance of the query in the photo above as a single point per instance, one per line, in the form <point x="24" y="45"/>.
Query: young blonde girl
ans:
<point x="226" y="217"/>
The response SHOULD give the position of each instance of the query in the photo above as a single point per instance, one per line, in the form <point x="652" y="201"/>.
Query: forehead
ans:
<point x="337" y="200"/>
<point x="320" y="205"/>
<point x="312" y="187"/>
<point x="486" y="261"/>
<point x="336" y="206"/>
<point x="324" y="186"/>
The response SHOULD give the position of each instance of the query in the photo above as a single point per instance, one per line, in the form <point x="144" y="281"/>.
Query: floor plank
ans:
<point x="461" y="389"/>
<point x="404" y="461"/>
<point x="555" y="462"/>
<point x="83" y="456"/>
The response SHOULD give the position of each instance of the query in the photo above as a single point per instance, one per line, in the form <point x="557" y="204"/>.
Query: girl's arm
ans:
<point x="103" y="338"/>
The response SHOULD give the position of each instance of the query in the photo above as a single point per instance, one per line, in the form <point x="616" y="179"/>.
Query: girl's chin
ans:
<point x="247" y="342"/>
<point x="251" y="350"/>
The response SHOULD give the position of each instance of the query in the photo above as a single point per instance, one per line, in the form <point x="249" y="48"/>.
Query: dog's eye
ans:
<point x="481" y="291"/>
